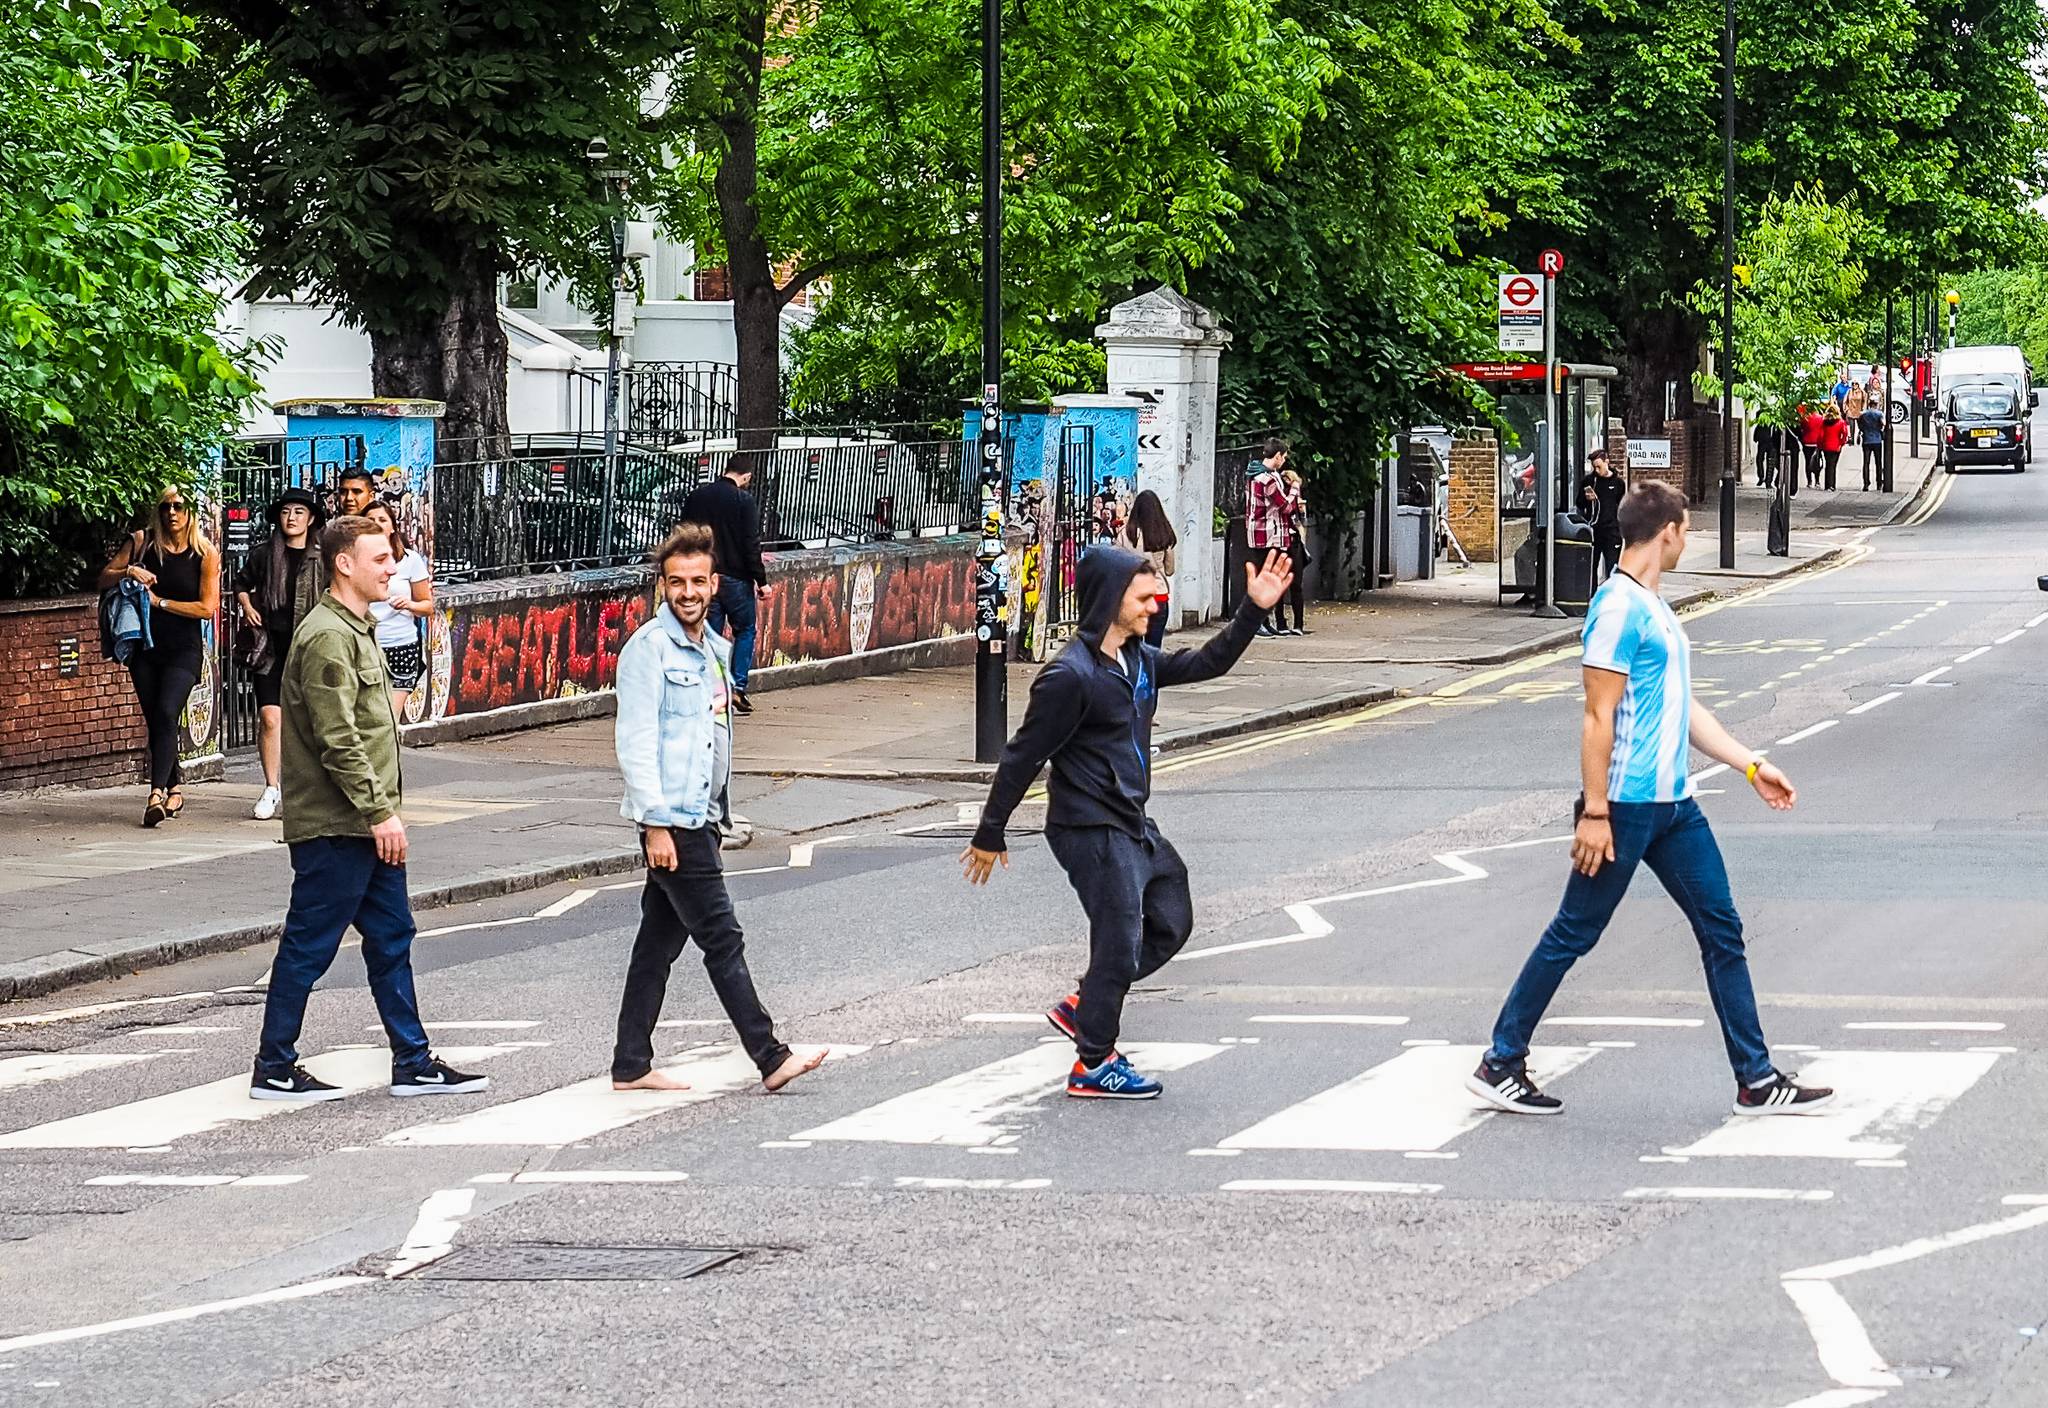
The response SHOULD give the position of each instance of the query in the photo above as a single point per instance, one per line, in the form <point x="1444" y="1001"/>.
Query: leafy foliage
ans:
<point x="1801" y="301"/>
<point x="114" y="236"/>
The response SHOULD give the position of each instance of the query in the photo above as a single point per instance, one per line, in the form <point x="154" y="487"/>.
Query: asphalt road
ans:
<point x="1315" y="1213"/>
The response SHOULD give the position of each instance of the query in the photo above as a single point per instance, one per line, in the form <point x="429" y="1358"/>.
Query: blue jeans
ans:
<point x="338" y="881"/>
<point x="1674" y="840"/>
<point x="734" y="602"/>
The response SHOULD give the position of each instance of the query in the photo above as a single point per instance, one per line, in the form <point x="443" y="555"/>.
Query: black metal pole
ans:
<point x="616" y="194"/>
<point x="991" y="629"/>
<point x="1728" y="286"/>
<point x="1913" y="379"/>
<point x="1884" y="472"/>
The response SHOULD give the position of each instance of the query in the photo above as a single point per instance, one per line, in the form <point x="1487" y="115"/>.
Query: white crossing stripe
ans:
<point x="570" y="1114"/>
<point x="1415" y="1101"/>
<point x="1326" y="1185"/>
<point x="163" y="1119"/>
<point x="43" y="1066"/>
<point x="1881" y="1098"/>
<point x="981" y="1106"/>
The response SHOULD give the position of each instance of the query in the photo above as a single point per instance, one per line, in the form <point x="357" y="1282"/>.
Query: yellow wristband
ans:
<point x="1751" y="773"/>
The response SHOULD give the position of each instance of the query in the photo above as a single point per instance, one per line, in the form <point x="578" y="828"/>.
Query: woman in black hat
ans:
<point x="279" y="582"/>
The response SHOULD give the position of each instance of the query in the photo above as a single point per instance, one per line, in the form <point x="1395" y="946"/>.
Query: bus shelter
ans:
<point x="1582" y="401"/>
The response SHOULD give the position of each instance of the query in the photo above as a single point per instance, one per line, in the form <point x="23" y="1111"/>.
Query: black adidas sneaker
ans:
<point x="1509" y="1088"/>
<point x="1782" y="1094"/>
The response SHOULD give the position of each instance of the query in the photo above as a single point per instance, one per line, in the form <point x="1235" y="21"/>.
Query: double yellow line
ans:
<point x="1933" y="505"/>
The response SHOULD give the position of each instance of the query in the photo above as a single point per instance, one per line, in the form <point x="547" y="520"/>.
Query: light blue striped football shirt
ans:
<point x="1630" y="631"/>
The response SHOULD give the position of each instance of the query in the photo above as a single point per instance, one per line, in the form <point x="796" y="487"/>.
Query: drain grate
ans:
<point x="542" y="1262"/>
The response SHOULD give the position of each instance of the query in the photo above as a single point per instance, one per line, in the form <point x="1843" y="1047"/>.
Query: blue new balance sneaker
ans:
<point x="1065" y="1016"/>
<point x="1112" y="1080"/>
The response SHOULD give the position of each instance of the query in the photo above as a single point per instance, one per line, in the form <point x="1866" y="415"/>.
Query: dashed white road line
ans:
<point x="2010" y="636"/>
<point x="586" y="1175"/>
<point x="1334" y="1019"/>
<point x="1868" y="705"/>
<point x="1822" y="727"/>
<point x="1714" y="1192"/>
<point x="189" y="1312"/>
<point x="1968" y="655"/>
<point x="1932" y="674"/>
<point x="1923" y="1026"/>
<point x="2035" y="621"/>
<point x="1327" y="1185"/>
<point x="1623" y="1021"/>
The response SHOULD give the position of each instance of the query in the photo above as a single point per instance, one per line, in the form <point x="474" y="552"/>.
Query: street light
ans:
<point x="1953" y="298"/>
<point x="599" y="154"/>
<point x="1728" y="285"/>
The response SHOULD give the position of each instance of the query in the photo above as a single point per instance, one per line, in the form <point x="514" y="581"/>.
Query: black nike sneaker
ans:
<point x="292" y="1085"/>
<point x="1509" y="1088"/>
<point x="437" y="1077"/>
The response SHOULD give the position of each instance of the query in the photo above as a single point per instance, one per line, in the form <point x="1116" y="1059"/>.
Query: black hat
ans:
<point x="304" y="498"/>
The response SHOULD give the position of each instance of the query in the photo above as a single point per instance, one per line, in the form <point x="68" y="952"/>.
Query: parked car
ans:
<point x="1897" y="386"/>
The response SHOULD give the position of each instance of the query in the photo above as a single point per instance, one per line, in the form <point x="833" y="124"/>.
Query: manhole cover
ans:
<point x="534" y="1262"/>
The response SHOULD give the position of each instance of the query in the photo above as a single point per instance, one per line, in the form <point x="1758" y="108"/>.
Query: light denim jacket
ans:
<point x="664" y="729"/>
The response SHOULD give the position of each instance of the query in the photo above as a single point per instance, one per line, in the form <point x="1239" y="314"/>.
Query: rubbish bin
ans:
<point x="1414" y="543"/>
<point x="1574" y="562"/>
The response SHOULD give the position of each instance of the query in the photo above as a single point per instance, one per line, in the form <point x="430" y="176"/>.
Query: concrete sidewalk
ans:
<point x="88" y="894"/>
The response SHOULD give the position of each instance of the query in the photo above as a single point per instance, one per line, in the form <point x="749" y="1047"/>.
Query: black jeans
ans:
<point x="690" y="902"/>
<point x="1873" y="464"/>
<point x="1299" y="555"/>
<point x="1139" y="911"/>
<point x="1833" y="459"/>
<point x="1607" y="554"/>
<point x="338" y="881"/>
<point x="162" y="685"/>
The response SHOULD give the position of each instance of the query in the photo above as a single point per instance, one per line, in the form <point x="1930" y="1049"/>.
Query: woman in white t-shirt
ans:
<point x="409" y="598"/>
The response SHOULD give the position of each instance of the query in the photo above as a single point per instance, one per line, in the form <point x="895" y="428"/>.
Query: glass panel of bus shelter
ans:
<point x="1593" y="417"/>
<point x="1520" y="457"/>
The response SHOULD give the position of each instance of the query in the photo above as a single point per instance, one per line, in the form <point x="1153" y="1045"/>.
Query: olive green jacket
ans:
<point x="340" y="741"/>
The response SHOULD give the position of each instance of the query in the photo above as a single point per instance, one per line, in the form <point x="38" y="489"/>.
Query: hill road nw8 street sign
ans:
<point x="1521" y="313"/>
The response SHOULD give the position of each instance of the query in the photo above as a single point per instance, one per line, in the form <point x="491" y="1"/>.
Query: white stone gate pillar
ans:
<point x="1163" y="349"/>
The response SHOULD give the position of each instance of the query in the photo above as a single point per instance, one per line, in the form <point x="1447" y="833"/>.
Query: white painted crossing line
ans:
<point x="467" y="1026"/>
<point x="1413" y="1101"/>
<point x="1005" y="1018"/>
<point x="1840" y="1398"/>
<point x="586" y="1176"/>
<point x="1935" y="673"/>
<point x="1924" y="1026"/>
<point x="1921" y="1246"/>
<point x="160" y="1120"/>
<point x="941" y="1184"/>
<point x="1844" y="1346"/>
<point x="2010" y="636"/>
<point x="1332" y="1019"/>
<point x="978" y="1108"/>
<point x="1623" y="1021"/>
<point x="183" y="1313"/>
<point x="1327" y="1185"/>
<point x="45" y="1066"/>
<point x="195" y="1180"/>
<point x="585" y="1109"/>
<point x="2035" y="621"/>
<point x="1870" y="704"/>
<point x="1800" y="737"/>
<point x="1710" y="1193"/>
<point x="1881" y="1099"/>
<point x="2025" y="1200"/>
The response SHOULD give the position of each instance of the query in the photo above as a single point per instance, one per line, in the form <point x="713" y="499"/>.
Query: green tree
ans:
<point x="114" y="237"/>
<point x="1346" y="282"/>
<point x="1801" y="297"/>
<point x="396" y="159"/>
<point x="841" y="144"/>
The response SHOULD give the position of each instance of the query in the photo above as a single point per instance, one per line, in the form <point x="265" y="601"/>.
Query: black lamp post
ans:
<point x="1728" y="286"/>
<point x="991" y="631"/>
<point x="614" y="178"/>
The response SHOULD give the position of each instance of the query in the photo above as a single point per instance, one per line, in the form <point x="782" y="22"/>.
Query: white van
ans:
<point x="1967" y="380"/>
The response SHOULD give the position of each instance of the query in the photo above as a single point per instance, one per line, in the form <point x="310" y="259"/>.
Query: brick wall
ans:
<point x="54" y="730"/>
<point x="1474" y="491"/>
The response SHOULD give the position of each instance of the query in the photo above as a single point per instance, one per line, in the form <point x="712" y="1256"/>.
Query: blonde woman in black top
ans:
<point x="172" y="558"/>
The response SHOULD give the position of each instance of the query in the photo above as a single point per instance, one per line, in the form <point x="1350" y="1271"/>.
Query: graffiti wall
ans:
<point x="497" y="645"/>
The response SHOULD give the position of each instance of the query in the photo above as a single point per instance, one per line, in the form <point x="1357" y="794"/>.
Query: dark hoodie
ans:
<point x="1093" y="721"/>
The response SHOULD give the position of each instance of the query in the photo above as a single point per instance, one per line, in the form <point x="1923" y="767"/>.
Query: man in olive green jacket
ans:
<point x="342" y="793"/>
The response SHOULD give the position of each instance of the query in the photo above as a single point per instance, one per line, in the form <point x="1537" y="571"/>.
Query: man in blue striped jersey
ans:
<point x="1638" y="808"/>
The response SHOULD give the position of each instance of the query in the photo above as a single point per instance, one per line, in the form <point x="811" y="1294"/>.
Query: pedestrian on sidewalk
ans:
<point x="1834" y="438"/>
<point x="1090" y="716"/>
<point x="277" y="587"/>
<point x="1811" y="426"/>
<point x="1840" y="394"/>
<point x="1766" y="438"/>
<point x="1296" y="509"/>
<point x="674" y="744"/>
<point x="1604" y="489"/>
<point x="725" y="506"/>
<point x="402" y="614"/>
<point x="1853" y="401"/>
<point x="1870" y="428"/>
<point x="172" y="559"/>
<point x="355" y="491"/>
<point x="1637" y="807"/>
<point x="1147" y="531"/>
<point x="342" y="797"/>
<point x="1265" y="512"/>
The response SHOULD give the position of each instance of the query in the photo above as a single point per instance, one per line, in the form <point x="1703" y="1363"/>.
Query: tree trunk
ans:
<point x="756" y="301"/>
<point x="460" y="359"/>
<point x="1663" y="347"/>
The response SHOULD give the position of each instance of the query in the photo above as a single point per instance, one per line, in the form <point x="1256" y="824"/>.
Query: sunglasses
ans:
<point x="166" y="509"/>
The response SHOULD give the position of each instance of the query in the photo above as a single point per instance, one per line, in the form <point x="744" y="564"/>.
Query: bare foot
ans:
<point x="653" y="1080"/>
<point x="793" y="1065"/>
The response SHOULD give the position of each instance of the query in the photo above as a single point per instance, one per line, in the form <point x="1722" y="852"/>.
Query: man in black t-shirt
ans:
<point x="729" y="511"/>
<point x="1604" y="489"/>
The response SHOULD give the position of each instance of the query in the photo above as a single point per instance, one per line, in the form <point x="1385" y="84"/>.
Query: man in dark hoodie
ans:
<point x="1090" y="716"/>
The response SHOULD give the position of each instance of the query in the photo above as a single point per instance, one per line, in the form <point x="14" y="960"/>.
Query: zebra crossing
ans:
<point x="1373" y="1096"/>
